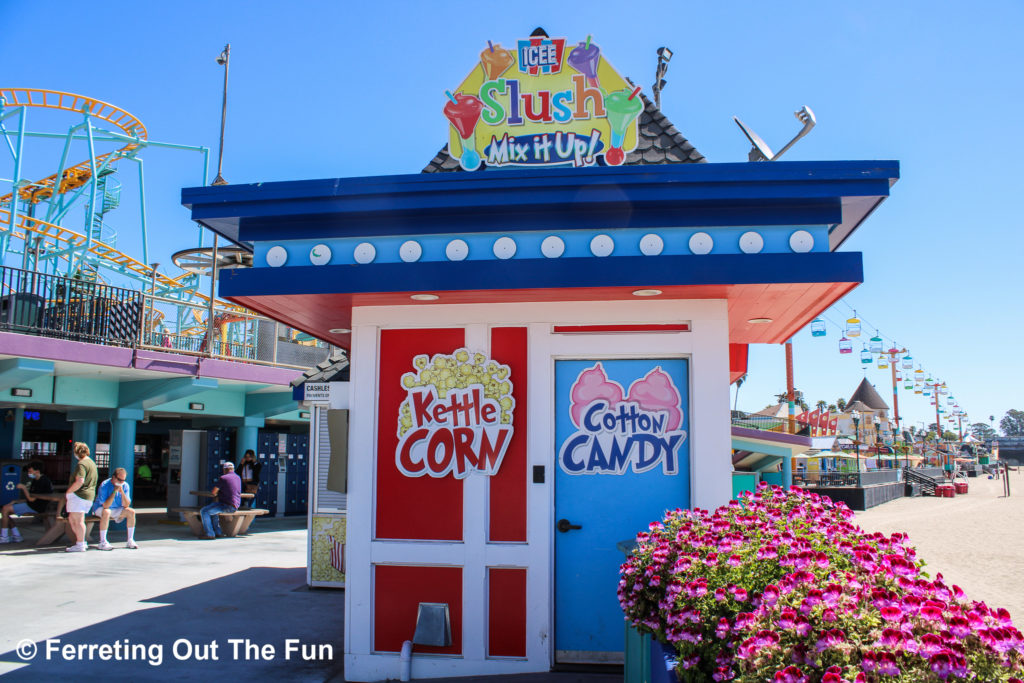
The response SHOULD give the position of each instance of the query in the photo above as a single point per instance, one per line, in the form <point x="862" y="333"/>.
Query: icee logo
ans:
<point x="617" y="430"/>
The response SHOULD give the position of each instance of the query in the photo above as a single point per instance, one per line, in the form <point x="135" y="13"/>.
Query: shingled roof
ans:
<point x="867" y="395"/>
<point x="334" y="369"/>
<point x="659" y="143"/>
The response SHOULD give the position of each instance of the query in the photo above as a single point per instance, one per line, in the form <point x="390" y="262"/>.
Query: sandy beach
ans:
<point x="975" y="540"/>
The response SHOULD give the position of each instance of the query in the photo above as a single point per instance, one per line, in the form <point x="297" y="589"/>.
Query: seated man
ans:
<point x="227" y="497"/>
<point x="30" y="505"/>
<point x="114" y="503"/>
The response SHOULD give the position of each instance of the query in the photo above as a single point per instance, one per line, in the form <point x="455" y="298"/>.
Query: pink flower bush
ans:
<point x="782" y="586"/>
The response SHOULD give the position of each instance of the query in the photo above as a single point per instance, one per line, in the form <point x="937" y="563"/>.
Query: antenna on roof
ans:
<point x="760" y="151"/>
<point x="664" y="57"/>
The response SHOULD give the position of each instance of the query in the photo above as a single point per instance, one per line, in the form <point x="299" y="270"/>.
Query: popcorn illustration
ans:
<point x="459" y="370"/>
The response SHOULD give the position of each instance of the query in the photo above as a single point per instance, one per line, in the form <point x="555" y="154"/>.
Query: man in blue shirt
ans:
<point x="113" y="502"/>
<point x="228" y="496"/>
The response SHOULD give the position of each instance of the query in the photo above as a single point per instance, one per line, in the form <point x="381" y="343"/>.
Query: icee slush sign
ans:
<point x="457" y="416"/>
<point x="615" y="430"/>
<point x="561" y="105"/>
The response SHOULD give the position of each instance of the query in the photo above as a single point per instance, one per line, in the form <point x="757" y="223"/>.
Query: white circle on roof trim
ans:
<point x="651" y="245"/>
<point x="276" y="256"/>
<point x="504" y="247"/>
<point x="320" y="255"/>
<point x="364" y="253"/>
<point x="751" y="242"/>
<point x="701" y="243"/>
<point x="552" y="246"/>
<point x="410" y="251"/>
<point x="801" y="241"/>
<point x="602" y="245"/>
<point x="457" y="250"/>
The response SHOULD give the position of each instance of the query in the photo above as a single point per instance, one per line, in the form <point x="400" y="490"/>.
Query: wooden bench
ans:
<point x="60" y="528"/>
<point x="231" y="523"/>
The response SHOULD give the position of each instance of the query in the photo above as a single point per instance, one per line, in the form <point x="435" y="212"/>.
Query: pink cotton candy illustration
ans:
<point x="592" y="385"/>
<point x="655" y="392"/>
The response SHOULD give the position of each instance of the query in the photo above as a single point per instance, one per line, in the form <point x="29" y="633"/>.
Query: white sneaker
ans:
<point x="17" y="538"/>
<point x="104" y="546"/>
<point x="131" y="545"/>
<point x="5" y="539"/>
<point x="76" y="548"/>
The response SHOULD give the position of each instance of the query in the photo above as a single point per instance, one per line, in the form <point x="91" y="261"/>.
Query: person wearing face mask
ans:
<point x="114" y="503"/>
<point x="30" y="505"/>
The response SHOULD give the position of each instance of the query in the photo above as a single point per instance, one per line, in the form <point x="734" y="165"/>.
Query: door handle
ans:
<point x="565" y="525"/>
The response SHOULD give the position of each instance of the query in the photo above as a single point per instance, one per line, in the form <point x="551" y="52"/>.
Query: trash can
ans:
<point x="646" y="660"/>
<point x="21" y="312"/>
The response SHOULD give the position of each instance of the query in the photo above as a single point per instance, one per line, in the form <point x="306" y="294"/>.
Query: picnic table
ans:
<point x="53" y="521"/>
<point x="231" y="523"/>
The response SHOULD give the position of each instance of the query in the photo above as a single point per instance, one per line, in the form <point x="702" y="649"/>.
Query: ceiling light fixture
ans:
<point x="424" y="297"/>
<point x="647" y="292"/>
<point x="759" y="321"/>
<point x="339" y="330"/>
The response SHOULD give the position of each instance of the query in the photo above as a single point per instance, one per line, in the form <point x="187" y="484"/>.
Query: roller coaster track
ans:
<point x="126" y="263"/>
<point x="75" y="176"/>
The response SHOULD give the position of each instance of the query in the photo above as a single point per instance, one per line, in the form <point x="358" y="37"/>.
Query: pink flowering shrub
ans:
<point x="782" y="586"/>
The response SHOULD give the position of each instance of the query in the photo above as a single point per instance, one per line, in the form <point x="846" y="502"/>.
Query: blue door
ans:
<point x="622" y="459"/>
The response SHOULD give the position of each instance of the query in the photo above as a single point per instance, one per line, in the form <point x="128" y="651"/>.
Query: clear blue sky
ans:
<point x="328" y="89"/>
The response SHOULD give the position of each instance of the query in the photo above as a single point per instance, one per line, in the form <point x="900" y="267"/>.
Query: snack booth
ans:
<point x="541" y="346"/>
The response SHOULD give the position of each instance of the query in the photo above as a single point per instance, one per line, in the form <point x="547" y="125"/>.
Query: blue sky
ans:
<point x="328" y="89"/>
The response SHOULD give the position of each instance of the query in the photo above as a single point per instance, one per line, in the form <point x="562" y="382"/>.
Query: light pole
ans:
<point x="664" y="57"/>
<point x="223" y="59"/>
<point x="856" y="440"/>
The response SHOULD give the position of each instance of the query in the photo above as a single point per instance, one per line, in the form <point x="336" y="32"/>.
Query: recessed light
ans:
<point x="647" y="292"/>
<point x="424" y="297"/>
<point x="339" y="330"/>
<point x="196" y="406"/>
<point x="22" y="392"/>
<point x="758" y="321"/>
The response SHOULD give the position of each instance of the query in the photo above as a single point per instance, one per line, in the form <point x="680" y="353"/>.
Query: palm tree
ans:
<point x="821" y="405"/>
<point x="841" y="404"/>
<point x="739" y="383"/>
<point x="832" y="408"/>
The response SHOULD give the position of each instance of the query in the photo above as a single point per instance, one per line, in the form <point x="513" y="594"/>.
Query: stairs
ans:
<point x="917" y="479"/>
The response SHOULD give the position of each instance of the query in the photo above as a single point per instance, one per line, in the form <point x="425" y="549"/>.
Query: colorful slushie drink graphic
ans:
<point x="623" y="106"/>
<point x="584" y="58"/>
<point x="463" y="112"/>
<point x="495" y="60"/>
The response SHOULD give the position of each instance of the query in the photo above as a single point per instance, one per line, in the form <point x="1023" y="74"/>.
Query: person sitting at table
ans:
<point x="29" y="505"/>
<point x="228" y="496"/>
<point x="114" y="503"/>
<point x="249" y="472"/>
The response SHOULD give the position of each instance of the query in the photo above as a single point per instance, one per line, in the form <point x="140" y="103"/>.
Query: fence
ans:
<point x="80" y="310"/>
<point x="835" y="479"/>
<point x="67" y="308"/>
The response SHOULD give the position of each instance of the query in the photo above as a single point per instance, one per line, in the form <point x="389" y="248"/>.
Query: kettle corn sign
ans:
<point x="542" y="102"/>
<point x="457" y="416"/>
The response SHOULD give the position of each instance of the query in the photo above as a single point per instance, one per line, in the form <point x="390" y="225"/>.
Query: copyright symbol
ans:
<point x="26" y="649"/>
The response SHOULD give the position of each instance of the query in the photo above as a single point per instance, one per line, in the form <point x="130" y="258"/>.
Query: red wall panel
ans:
<point x="421" y="508"/>
<point x="397" y="593"/>
<point x="506" y="612"/>
<point x="507" y="514"/>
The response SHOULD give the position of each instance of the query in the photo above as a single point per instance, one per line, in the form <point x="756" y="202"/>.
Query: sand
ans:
<point x="975" y="540"/>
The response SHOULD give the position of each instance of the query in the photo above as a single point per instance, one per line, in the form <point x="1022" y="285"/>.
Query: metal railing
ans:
<point x="833" y="479"/>
<point x="81" y="310"/>
<point x="68" y="308"/>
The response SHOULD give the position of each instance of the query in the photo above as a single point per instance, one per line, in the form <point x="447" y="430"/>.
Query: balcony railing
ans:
<point x="80" y="310"/>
